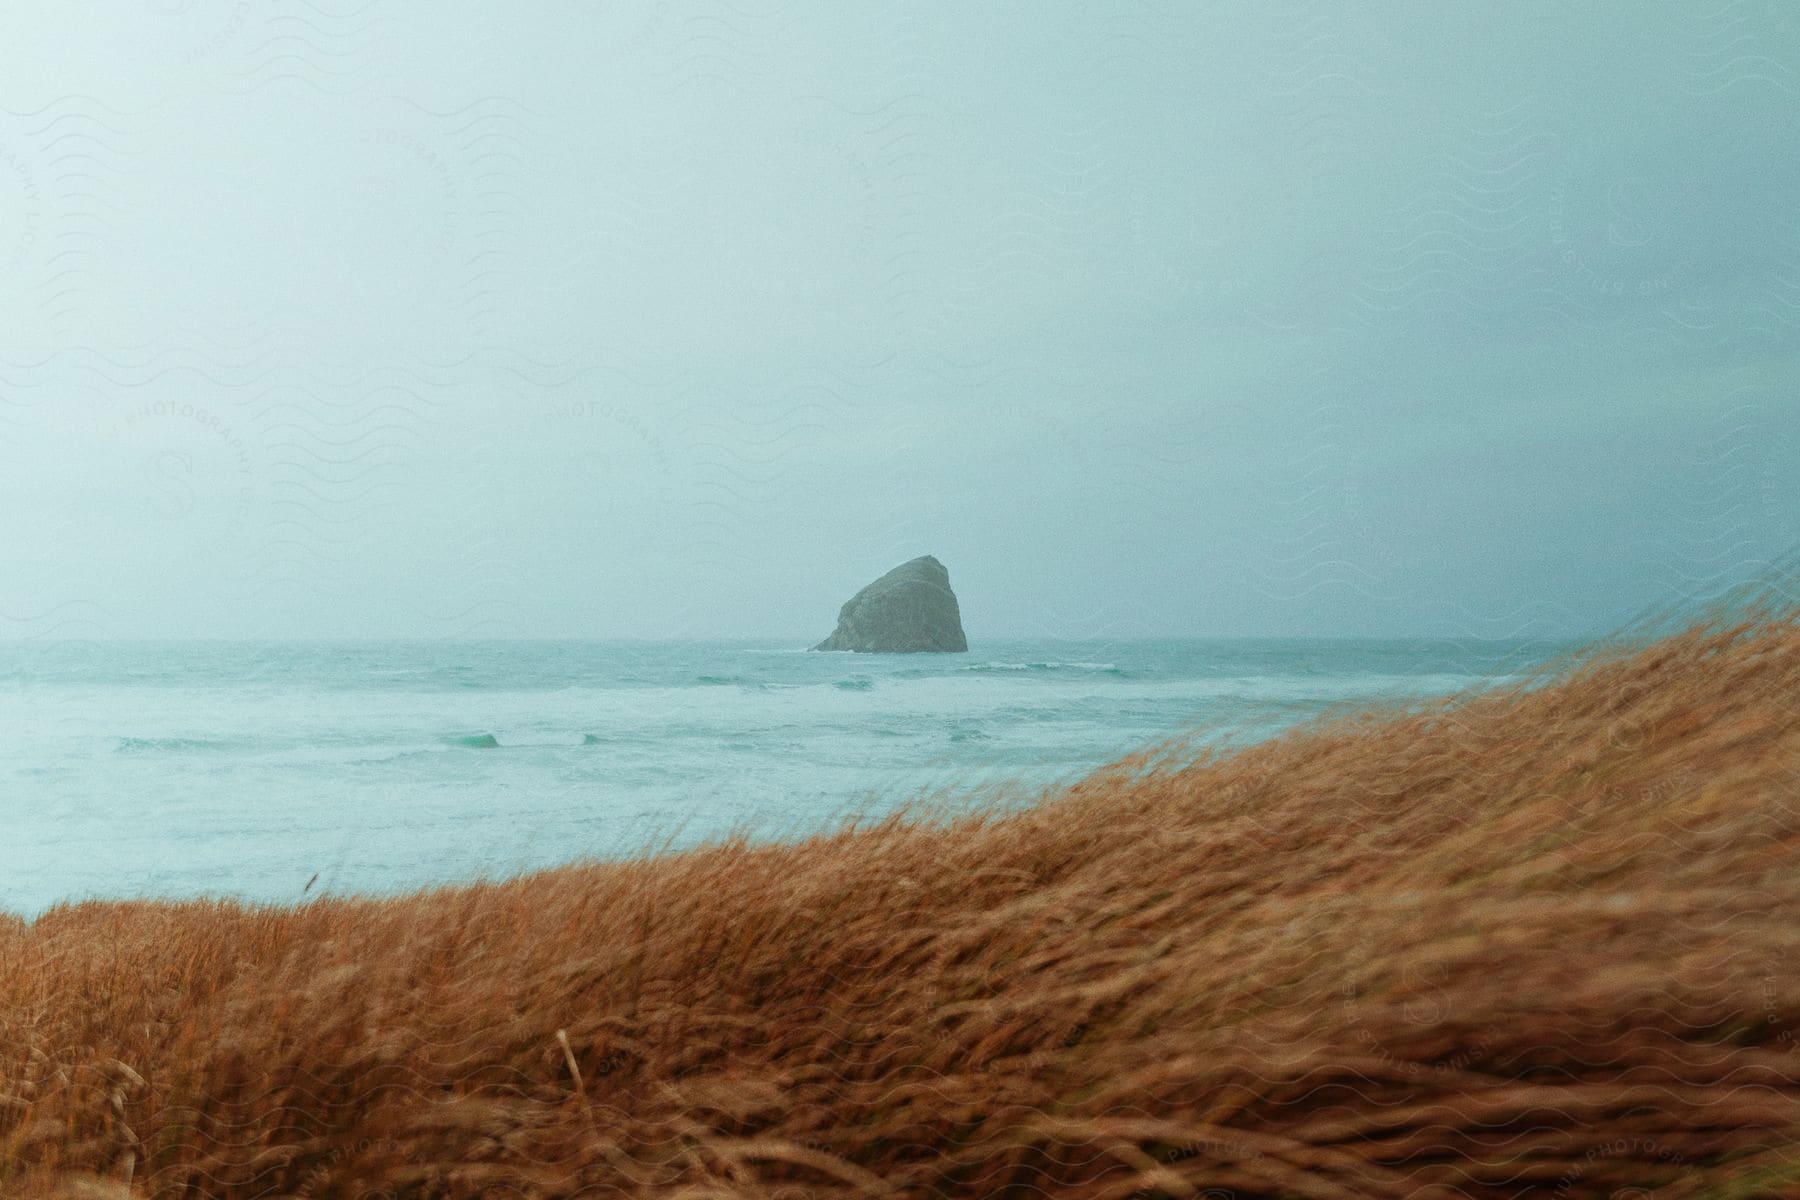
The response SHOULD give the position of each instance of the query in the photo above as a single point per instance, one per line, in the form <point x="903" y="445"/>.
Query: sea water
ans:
<point x="280" y="771"/>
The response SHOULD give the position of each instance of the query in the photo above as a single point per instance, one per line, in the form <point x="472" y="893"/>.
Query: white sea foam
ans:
<point x="171" y="770"/>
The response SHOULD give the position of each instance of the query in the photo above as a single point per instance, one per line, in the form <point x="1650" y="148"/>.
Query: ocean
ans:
<point x="279" y="771"/>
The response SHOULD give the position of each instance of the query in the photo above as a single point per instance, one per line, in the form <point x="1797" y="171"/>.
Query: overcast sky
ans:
<point x="394" y="318"/>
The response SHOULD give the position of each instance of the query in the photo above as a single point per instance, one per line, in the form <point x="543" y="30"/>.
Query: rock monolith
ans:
<point x="909" y="610"/>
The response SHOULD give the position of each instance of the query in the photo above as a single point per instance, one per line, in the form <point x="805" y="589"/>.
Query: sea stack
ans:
<point x="909" y="610"/>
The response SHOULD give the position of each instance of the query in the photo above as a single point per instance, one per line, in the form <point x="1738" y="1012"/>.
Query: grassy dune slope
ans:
<point x="1537" y="942"/>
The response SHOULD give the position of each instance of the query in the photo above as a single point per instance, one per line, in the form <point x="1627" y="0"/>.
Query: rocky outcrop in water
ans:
<point x="909" y="610"/>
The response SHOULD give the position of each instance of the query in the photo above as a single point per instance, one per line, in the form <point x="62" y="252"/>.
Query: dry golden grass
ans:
<point x="1534" y="942"/>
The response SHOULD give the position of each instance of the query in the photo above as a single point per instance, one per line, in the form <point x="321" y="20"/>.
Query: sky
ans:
<point x="379" y="318"/>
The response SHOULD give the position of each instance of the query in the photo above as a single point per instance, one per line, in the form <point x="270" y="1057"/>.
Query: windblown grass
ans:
<point x="1540" y="941"/>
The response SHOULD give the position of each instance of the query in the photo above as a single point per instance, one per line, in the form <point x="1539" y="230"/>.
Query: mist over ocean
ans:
<point x="246" y="768"/>
<point x="383" y="319"/>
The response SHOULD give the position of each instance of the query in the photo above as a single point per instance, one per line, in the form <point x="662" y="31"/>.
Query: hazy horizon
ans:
<point x="728" y="639"/>
<point x="380" y="319"/>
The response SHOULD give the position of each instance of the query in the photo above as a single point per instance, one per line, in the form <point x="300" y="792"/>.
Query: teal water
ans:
<point x="249" y="769"/>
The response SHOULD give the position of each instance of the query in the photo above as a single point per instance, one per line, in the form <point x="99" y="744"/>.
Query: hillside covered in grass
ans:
<point x="1541" y="941"/>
